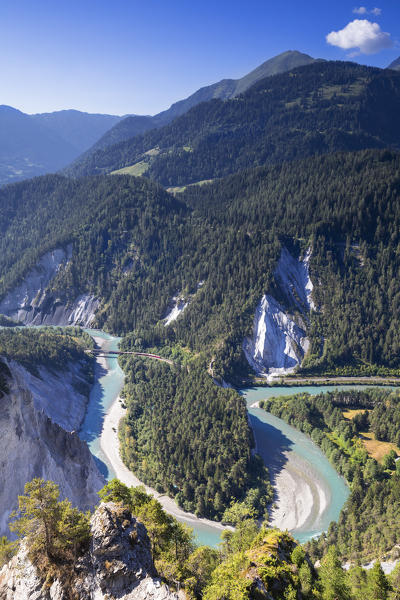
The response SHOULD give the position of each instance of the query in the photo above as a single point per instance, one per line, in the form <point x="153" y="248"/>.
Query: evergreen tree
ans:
<point x="377" y="583"/>
<point x="38" y="516"/>
<point x="52" y="528"/>
<point x="116" y="491"/>
<point x="333" y="577"/>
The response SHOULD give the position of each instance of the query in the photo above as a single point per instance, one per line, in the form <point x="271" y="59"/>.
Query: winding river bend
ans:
<point x="309" y="492"/>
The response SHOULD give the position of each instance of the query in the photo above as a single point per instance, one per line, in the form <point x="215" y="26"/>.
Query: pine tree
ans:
<point x="38" y="515"/>
<point x="115" y="491"/>
<point x="55" y="529"/>
<point x="333" y="578"/>
<point x="377" y="583"/>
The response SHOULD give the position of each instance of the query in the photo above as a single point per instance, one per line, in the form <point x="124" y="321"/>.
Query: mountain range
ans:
<point x="395" y="64"/>
<point x="315" y="109"/>
<point x="32" y="145"/>
<point x="223" y="90"/>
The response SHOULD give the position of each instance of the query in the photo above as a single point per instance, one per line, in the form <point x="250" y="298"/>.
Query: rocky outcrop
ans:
<point x="33" y="445"/>
<point x="33" y="303"/>
<point x="278" y="344"/>
<point x="279" y="340"/>
<point x="178" y="305"/>
<point x="118" y="564"/>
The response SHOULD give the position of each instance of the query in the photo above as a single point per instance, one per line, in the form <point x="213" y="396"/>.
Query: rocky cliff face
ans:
<point x="118" y="564"/>
<point x="33" y="303"/>
<point x="56" y="395"/>
<point x="279" y="340"/>
<point x="33" y="445"/>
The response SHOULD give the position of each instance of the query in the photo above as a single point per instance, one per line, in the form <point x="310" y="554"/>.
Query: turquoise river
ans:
<point x="272" y="435"/>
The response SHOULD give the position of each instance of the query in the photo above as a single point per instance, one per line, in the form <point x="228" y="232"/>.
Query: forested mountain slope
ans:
<point x="317" y="109"/>
<point x="346" y="205"/>
<point x="135" y="247"/>
<point x="227" y="88"/>
<point x="100" y="216"/>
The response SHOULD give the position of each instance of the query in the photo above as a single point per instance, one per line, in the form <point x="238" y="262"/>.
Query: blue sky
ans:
<point x="126" y="56"/>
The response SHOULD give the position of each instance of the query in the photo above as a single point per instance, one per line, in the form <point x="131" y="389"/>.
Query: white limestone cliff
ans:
<point x="178" y="306"/>
<point x="293" y="277"/>
<point x="279" y="341"/>
<point x="32" y="303"/>
<point x="33" y="445"/>
<point x="56" y="395"/>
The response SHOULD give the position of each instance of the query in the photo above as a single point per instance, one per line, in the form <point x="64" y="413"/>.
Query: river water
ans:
<point x="107" y="386"/>
<point x="270" y="433"/>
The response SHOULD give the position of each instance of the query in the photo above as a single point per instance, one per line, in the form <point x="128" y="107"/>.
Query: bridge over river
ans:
<point x="113" y="353"/>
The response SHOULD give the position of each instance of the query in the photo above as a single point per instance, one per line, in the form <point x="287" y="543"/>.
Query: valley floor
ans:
<point x="295" y="381"/>
<point x="109" y="443"/>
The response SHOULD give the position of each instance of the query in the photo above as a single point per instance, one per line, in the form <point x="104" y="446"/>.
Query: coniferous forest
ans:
<point x="304" y="160"/>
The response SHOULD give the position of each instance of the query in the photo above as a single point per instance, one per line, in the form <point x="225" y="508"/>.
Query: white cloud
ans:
<point x="360" y="34"/>
<point x="363" y="10"/>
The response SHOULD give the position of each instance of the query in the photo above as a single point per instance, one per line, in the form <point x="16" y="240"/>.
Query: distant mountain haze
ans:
<point x="28" y="148"/>
<point x="32" y="145"/>
<point x="80" y="129"/>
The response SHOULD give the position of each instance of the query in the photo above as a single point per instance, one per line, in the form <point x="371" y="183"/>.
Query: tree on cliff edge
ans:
<point x="50" y="527"/>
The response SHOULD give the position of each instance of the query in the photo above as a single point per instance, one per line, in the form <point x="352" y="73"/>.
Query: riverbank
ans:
<point x="300" y="499"/>
<point x="109" y="443"/>
<point x="323" y="381"/>
<point x="207" y="531"/>
<point x="300" y="495"/>
<point x="308" y="492"/>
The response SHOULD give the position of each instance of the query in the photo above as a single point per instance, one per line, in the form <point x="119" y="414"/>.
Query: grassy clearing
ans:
<point x="352" y="412"/>
<point x="375" y="448"/>
<point x="181" y="188"/>
<point x="135" y="170"/>
<point x="178" y="189"/>
<point x="153" y="152"/>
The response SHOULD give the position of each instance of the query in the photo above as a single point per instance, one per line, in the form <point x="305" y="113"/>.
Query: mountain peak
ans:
<point x="5" y="108"/>
<point x="290" y="59"/>
<point x="223" y="90"/>
<point x="395" y="64"/>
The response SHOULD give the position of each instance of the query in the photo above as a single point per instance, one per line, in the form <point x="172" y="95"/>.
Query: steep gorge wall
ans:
<point x="279" y="341"/>
<point x="56" y="394"/>
<point x="33" y="303"/>
<point x="34" y="445"/>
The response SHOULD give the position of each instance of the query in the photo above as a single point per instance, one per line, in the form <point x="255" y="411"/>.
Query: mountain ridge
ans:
<point x="395" y="64"/>
<point x="224" y="89"/>
<point x="315" y="109"/>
